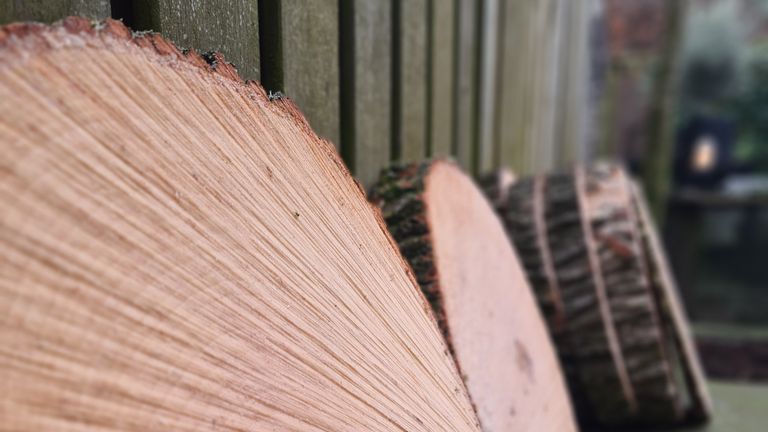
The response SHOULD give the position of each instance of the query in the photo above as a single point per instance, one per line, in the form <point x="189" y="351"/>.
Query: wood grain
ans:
<point x="178" y="252"/>
<point x="470" y="274"/>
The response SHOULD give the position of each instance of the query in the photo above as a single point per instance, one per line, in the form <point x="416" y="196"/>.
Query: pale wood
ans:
<point x="470" y="274"/>
<point x="178" y="252"/>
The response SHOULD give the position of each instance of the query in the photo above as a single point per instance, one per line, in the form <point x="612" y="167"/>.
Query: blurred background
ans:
<point x="675" y="89"/>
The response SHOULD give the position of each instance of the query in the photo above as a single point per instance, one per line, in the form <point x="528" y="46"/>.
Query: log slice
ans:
<point x="585" y="249"/>
<point x="469" y="272"/>
<point x="179" y="251"/>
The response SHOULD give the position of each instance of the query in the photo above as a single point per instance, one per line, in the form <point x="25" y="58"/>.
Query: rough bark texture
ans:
<point x="578" y="235"/>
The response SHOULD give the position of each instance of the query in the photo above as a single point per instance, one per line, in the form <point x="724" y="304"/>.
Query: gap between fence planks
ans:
<point x="180" y="252"/>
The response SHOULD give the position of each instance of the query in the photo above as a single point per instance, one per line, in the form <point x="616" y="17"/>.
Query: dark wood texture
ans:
<point x="409" y="85"/>
<point x="465" y="82"/>
<point x="366" y="83"/>
<point x="602" y="282"/>
<point x="300" y="58"/>
<point x="228" y="26"/>
<point x="48" y="11"/>
<point x="442" y="36"/>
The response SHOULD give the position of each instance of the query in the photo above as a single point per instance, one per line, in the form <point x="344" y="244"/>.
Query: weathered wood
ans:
<point x="528" y="84"/>
<point x="178" y="251"/>
<point x="228" y="26"/>
<point x="366" y="71"/>
<point x="300" y="58"/>
<point x="672" y="312"/>
<point x="409" y="85"/>
<point x="465" y="84"/>
<point x="485" y="158"/>
<point x="621" y="337"/>
<point x="574" y="105"/>
<point x="48" y="11"/>
<point x="442" y="34"/>
<point x="514" y="85"/>
<point x="470" y="275"/>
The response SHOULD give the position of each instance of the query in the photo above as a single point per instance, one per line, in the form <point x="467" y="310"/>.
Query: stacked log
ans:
<point x="604" y="288"/>
<point x="468" y="271"/>
<point x="179" y="251"/>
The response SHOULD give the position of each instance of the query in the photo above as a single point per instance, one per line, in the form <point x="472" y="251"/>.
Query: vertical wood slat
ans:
<point x="574" y="110"/>
<point x="529" y="85"/>
<point x="409" y="80"/>
<point x="441" y="74"/>
<point x="485" y="154"/>
<point x="366" y="71"/>
<point x="465" y="80"/>
<point x="228" y="26"/>
<point x="51" y="10"/>
<point x="514" y="73"/>
<point x="300" y="58"/>
<point x="547" y="74"/>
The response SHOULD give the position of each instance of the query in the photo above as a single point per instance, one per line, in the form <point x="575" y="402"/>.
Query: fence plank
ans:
<point x="366" y="71"/>
<point x="529" y="85"/>
<point x="574" y="110"/>
<point x="510" y="131"/>
<point x="409" y="69"/>
<point x="228" y="26"/>
<point x="441" y="25"/>
<point x="300" y="57"/>
<point x="485" y="155"/>
<point x="465" y="89"/>
<point x="51" y="10"/>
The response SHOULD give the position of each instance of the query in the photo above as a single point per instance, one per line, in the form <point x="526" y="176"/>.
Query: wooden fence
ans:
<point x="489" y="82"/>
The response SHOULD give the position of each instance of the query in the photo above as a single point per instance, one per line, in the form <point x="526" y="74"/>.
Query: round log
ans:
<point x="468" y="270"/>
<point x="586" y="254"/>
<point x="179" y="251"/>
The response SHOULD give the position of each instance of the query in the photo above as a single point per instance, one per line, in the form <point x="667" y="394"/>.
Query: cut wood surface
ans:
<point x="469" y="272"/>
<point x="622" y="338"/>
<point x="178" y="252"/>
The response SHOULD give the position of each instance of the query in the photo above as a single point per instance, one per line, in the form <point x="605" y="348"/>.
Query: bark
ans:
<point x="580" y="239"/>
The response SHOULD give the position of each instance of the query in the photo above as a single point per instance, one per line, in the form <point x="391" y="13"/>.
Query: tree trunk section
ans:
<point x="469" y="273"/>
<point x="178" y="251"/>
<point x="620" y="333"/>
